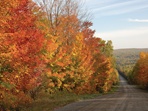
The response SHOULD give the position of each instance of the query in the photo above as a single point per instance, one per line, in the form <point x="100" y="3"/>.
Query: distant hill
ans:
<point x="132" y="50"/>
<point x="126" y="58"/>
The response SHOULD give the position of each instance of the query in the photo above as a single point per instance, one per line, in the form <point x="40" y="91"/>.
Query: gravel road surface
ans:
<point x="126" y="98"/>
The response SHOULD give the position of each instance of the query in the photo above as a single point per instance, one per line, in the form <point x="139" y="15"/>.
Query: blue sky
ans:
<point x="125" y="22"/>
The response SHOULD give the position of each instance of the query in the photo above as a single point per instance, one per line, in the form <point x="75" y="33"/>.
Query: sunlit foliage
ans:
<point x="20" y="46"/>
<point x="42" y="49"/>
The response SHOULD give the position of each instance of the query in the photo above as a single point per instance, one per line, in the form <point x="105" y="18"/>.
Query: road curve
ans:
<point x="126" y="98"/>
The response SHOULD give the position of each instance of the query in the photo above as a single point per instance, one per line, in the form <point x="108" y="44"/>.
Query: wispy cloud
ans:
<point x="114" y="7"/>
<point x="138" y="20"/>
<point x="117" y="28"/>
<point x="127" y="38"/>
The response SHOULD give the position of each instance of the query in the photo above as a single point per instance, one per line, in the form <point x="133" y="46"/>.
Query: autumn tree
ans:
<point x="62" y="23"/>
<point x="20" y="46"/>
<point x="104" y="75"/>
<point x="140" y="74"/>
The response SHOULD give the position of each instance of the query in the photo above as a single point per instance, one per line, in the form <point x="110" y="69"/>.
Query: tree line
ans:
<point x="49" y="46"/>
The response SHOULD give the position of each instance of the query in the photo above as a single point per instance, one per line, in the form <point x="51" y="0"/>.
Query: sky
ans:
<point x="125" y="22"/>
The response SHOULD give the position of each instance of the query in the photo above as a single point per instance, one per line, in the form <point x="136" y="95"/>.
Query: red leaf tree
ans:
<point x="21" y="44"/>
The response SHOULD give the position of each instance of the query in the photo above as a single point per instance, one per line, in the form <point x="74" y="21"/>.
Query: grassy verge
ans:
<point x="48" y="102"/>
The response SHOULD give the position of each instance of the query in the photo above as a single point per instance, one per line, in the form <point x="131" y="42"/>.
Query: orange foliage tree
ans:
<point x="104" y="75"/>
<point x="68" y="60"/>
<point x="20" y="46"/>
<point x="65" y="50"/>
<point x="140" y="74"/>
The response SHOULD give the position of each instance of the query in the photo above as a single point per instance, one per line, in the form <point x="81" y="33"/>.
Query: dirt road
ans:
<point x="126" y="98"/>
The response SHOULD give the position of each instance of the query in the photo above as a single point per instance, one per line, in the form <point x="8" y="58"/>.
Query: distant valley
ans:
<point x="126" y="58"/>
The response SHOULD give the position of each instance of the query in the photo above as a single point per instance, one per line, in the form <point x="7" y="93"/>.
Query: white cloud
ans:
<point x="127" y="38"/>
<point x="138" y="20"/>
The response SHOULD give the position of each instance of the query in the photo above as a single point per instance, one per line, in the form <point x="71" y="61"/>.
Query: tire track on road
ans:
<point x="126" y="98"/>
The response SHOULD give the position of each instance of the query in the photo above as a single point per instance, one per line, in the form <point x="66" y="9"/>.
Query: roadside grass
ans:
<point x="49" y="102"/>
